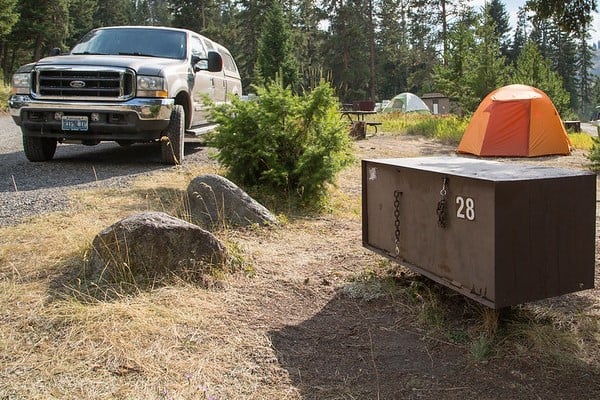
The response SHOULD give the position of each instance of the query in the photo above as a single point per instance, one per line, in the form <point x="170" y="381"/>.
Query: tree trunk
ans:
<point x="37" y="49"/>
<point x="373" y="82"/>
<point x="345" y="52"/>
<point x="444" y="32"/>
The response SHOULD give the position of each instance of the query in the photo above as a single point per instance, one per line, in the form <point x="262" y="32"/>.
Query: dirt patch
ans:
<point x="379" y="343"/>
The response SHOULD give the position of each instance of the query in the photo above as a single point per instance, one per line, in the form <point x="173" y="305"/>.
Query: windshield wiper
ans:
<point x="136" y="53"/>
<point x="89" y="53"/>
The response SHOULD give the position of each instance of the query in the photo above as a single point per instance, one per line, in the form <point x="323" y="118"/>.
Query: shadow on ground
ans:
<point x="353" y="349"/>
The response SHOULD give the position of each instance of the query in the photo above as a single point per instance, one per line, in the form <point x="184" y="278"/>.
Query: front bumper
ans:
<point x="136" y="119"/>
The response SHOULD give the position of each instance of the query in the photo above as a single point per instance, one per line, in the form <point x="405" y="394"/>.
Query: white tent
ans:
<point x="406" y="103"/>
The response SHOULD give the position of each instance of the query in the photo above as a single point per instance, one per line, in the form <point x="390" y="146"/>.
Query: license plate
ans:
<point x="72" y="123"/>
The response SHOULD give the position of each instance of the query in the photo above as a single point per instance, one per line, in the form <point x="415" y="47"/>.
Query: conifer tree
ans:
<point x="584" y="65"/>
<point x="498" y="14"/>
<point x="81" y="19"/>
<point x="520" y="36"/>
<point x="41" y="27"/>
<point x="453" y="77"/>
<point x="195" y="15"/>
<point x="573" y="16"/>
<point x="487" y="69"/>
<point x="534" y="70"/>
<point x="275" y="55"/>
<point x="113" y="12"/>
<point x="8" y="16"/>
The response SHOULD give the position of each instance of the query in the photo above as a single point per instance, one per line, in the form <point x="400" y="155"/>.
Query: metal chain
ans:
<point x="442" y="208"/>
<point x="397" y="195"/>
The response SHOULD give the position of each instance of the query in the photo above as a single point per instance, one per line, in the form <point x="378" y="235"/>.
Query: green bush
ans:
<point x="594" y="155"/>
<point x="283" y="142"/>
<point x="4" y="95"/>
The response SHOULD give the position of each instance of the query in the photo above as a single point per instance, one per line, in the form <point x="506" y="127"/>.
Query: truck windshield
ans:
<point x="133" y="41"/>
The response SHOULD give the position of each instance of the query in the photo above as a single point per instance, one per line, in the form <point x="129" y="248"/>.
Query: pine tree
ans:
<point x="8" y="16"/>
<point x="520" y="36"/>
<point x="81" y="19"/>
<point x="113" y="12"/>
<point x="560" y="51"/>
<point x="452" y="78"/>
<point x="196" y="15"/>
<point x="275" y="55"/>
<point x="423" y="43"/>
<point x="498" y="14"/>
<point x="488" y="71"/>
<point x="248" y="22"/>
<point x="41" y="27"/>
<point x="533" y="69"/>
<point x="151" y="12"/>
<point x="307" y="39"/>
<point x="584" y="65"/>
<point x="346" y="49"/>
<point x="573" y="16"/>
<point x="393" y="48"/>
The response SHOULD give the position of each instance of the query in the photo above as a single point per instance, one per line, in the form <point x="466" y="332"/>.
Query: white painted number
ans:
<point x="466" y="208"/>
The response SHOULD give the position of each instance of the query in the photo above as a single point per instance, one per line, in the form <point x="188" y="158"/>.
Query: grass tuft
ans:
<point x="448" y="129"/>
<point x="581" y="141"/>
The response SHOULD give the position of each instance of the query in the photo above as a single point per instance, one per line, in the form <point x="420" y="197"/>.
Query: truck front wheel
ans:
<point x="38" y="148"/>
<point x="172" y="141"/>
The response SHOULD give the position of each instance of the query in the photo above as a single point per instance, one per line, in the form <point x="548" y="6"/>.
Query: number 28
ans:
<point x="466" y="208"/>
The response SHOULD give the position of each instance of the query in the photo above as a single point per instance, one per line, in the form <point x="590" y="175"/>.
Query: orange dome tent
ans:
<point x="515" y="120"/>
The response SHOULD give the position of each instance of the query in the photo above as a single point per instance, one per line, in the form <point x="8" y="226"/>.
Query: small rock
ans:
<point x="215" y="201"/>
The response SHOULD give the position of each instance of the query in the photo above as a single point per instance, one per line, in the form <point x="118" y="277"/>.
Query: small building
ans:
<point x="438" y="103"/>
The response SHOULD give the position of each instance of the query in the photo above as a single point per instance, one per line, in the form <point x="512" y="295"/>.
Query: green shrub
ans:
<point x="594" y="155"/>
<point x="4" y="95"/>
<point x="283" y="142"/>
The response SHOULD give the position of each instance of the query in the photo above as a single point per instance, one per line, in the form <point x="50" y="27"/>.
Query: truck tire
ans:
<point x="172" y="141"/>
<point x="38" y="148"/>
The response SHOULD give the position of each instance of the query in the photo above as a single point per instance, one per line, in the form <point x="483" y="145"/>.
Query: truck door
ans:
<point x="219" y="82"/>
<point x="204" y="85"/>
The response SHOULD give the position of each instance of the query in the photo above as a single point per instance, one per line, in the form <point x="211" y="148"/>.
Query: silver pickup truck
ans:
<point x="127" y="84"/>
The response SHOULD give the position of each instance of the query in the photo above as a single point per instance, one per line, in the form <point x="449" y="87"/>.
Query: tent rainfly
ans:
<point x="406" y="103"/>
<point x="515" y="120"/>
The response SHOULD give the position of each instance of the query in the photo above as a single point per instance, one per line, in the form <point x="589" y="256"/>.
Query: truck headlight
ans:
<point x="151" y="86"/>
<point x="21" y="83"/>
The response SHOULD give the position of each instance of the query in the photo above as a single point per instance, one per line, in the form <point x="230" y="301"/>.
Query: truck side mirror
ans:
<point x="215" y="62"/>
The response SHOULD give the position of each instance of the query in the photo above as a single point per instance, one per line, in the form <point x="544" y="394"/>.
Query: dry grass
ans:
<point x="186" y="341"/>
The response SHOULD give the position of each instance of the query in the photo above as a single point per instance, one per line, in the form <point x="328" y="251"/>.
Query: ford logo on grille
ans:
<point x="77" y="84"/>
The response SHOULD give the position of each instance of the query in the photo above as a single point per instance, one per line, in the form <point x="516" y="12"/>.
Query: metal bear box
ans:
<point x="498" y="232"/>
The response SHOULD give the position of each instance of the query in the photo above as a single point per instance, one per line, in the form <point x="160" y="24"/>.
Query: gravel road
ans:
<point x="28" y="188"/>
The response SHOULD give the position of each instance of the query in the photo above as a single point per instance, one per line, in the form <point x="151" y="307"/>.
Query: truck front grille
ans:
<point x="92" y="83"/>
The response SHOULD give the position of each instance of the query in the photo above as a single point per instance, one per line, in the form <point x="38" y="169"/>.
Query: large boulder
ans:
<point x="147" y="246"/>
<point x="215" y="201"/>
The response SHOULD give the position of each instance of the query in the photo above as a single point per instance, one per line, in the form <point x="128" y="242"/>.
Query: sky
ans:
<point x="512" y="6"/>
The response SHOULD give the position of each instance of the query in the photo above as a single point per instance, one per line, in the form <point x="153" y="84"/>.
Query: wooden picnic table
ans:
<point x="358" y="125"/>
